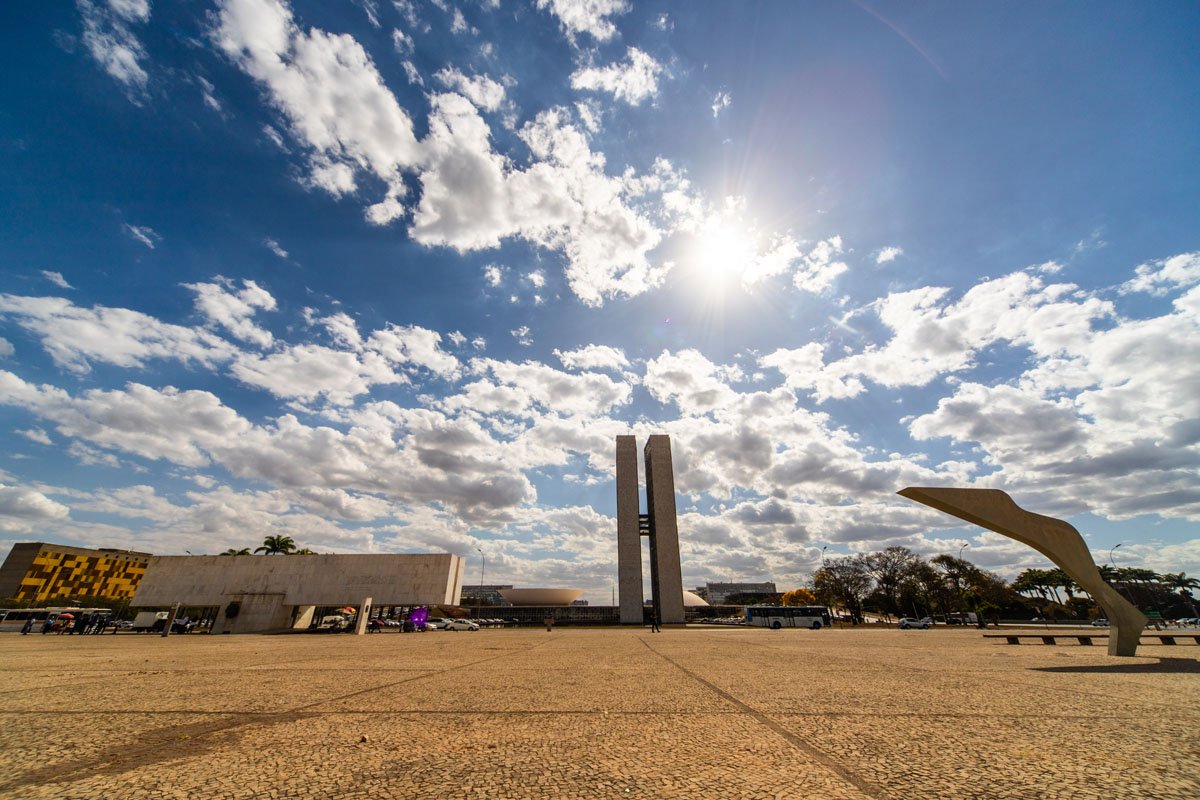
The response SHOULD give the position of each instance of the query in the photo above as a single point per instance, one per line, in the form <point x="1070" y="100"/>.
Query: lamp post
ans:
<point x="1112" y="563"/>
<point x="962" y="595"/>
<point x="482" y="570"/>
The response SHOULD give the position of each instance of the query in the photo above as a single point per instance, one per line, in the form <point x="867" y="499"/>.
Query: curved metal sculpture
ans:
<point x="1053" y="538"/>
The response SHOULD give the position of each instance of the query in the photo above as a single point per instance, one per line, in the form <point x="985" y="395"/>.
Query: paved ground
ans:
<point x="697" y="713"/>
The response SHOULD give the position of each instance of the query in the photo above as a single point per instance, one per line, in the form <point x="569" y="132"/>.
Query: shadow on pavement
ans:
<point x="1175" y="665"/>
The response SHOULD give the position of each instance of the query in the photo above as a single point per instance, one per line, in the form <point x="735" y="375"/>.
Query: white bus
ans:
<point x="815" y="617"/>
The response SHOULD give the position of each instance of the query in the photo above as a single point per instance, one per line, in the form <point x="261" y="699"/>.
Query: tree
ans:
<point x="305" y="552"/>
<point x="844" y="582"/>
<point x="799" y="597"/>
<point x="277" y="545"/>
<point x="245" y="551"/>
<point x="890" y="568"/>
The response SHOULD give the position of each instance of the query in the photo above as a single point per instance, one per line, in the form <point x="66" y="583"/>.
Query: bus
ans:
<point x="815" y="617"/>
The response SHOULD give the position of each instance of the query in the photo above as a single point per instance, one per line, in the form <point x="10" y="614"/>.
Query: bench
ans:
<point x="1086" y="638"/>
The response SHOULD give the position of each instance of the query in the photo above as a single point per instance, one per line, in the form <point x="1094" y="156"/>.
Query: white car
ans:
<point x="1100" y="623"/>
<point x="911" y="622"/>
<point x="459" y="625"/>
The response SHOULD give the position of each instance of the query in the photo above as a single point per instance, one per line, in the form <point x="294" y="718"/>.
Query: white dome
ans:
<point x="541" y="597"/>
<point x="693" y="600"/>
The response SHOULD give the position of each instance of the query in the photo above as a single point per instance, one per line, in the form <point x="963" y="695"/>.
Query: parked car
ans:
<point x="435" y="623"/>
<point x="911" y="622"/>
<point x="459" y="625"/>
<point x="1100" y="623"/>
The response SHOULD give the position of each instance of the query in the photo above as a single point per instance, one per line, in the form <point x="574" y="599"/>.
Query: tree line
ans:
<point x="898" y="582"/>
<point x="273" y="546"/>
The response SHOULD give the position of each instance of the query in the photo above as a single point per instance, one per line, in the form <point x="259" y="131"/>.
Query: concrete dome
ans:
<point x="541" y="597"/>
<point x="693" y="600"/>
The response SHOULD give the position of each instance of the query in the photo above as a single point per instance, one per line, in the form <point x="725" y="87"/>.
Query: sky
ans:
<point x="390" y="276"/>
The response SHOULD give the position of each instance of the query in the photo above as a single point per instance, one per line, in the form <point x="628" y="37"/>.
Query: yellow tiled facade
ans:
<point x="73" y="572"/>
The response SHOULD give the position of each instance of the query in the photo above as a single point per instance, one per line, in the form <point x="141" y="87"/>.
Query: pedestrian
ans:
<point x="549" y="623"/>
<point x="654" y="622"/>
<point x="47" y="624"/>
<point x="28" y="626"/>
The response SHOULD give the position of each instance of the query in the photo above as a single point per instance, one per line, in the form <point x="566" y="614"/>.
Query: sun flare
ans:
<point x="722" y="253"/>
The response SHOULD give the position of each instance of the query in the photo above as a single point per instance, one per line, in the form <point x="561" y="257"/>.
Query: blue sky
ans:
<point x="390" y="276"/>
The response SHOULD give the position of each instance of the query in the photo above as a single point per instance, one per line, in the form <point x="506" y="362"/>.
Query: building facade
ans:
<point x="659" y="525"/>
<point x="40" y="571"/>
<point x="262" y="593"/>
<point x="718" y="593"/>
<point x="487" y="595"/>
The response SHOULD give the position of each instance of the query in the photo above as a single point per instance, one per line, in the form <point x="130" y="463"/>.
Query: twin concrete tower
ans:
<point x="658" y="524"/>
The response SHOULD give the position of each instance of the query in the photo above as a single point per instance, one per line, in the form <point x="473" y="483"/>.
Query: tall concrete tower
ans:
<point x="659" y="524"/>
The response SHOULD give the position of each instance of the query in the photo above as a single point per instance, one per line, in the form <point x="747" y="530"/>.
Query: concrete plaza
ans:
<point x="579" y="713"/>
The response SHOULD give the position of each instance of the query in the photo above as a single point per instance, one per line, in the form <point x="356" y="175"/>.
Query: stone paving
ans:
<point x="595" y="713"/>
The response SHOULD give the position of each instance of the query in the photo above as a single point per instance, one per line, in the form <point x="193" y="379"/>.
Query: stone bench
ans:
<point x="1086" y="638"/>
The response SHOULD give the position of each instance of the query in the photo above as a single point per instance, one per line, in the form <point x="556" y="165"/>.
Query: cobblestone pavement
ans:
<point x="579" y="713"/>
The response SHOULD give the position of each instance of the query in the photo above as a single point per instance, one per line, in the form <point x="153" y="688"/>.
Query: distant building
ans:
<point x="38" y="571"/>
<point x="250" y="594"/>
<point x="718" y="593"/>
<point x="487" y="594"/>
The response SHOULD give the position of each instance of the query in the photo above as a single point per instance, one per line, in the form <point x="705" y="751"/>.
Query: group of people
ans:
<point x="81" y="624"/>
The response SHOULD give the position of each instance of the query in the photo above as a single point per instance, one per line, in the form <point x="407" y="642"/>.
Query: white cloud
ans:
<point x="931" y="337"/>
<point x="402" y="42"/>
<point x="720" y="102"/>
<point x="57" y="279"/>
<point x="275" y="247"/>
<point x="144" y="234"/>
<point x="593" y="356"/>
<point x="481" y="90"/>
<point x="36" y="435"/>
<point x="888" y="254"/>
<point x="632" y="81"/>
<point x="493" y="274"/>
<point x="111" y="42"/>
<point x="690" y="381"/>
<point x="586" y="16"/>
<point x="6" y="348"/>
<point x="22" y="510"/>
<point x="1159" y="277"/>
<point x="74" y="336"/>
<point x="521" y="334"/>
<point x="412" y="73"/>
<point x="329" y="90"/>
<point x="537" y="278"/>
<point x="234" y="310"/>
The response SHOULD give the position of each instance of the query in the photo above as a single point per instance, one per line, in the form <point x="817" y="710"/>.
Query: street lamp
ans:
<point x="482" y="569"/>
<point x="1112" y="563"/>
<point x="962" y="595"/>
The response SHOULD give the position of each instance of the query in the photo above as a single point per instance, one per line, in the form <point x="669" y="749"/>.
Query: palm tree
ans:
<point x="305" y="552"/>
<point x="245" y="551"/>
<point x="277" y="545"/>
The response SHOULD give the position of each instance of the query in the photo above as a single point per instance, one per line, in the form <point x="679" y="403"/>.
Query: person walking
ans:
<point x="549" y="624"/>
<point x="27" y="627"/>
<point x="654" y="621"/>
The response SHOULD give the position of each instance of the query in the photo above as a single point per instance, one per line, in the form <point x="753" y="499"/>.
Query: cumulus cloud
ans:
<point x="481" y="90"/>
<point x="233" y="310"/>
<point x="36" y="435"/>
<point x="75" y="336"/>
<point x="888" y="254"/>
<point x="930" y="337"/>
<point x="6" y="348"/>
<point x="593" y="356"/>
<point x="333" y="97"/>
<point x="632" y="81"/>
<point x="586" y="16"/>
<point x="23" y="509"/>
<point x="1160" y="277"/>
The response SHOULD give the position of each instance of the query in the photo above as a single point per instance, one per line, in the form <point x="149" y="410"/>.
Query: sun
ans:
<point x="722" y="253"/>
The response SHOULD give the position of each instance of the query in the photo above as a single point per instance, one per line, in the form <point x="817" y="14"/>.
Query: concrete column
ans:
<point x="364" y="610"/>
<point x="660" y="502"/>
<point x="629" y="539"/>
